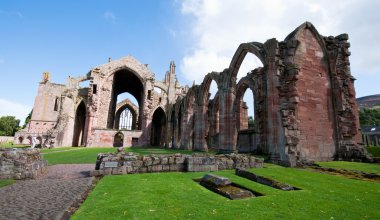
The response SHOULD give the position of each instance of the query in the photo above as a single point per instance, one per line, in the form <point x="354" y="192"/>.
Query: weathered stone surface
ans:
<point x="21" y="164"/>
<point x="304" y="102"/>
<point x="215" y="180"/>
<point x="177" y="162"/>
<point x="223" y="186"/>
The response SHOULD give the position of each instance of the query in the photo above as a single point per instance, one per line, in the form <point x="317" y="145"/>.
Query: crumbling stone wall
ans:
<point x="304" y="101"/>
<point x="128" y="163"/>
<point x="21" y="164"/>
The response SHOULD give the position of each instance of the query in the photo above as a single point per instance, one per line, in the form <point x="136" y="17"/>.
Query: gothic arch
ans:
<point x="205" y="86"/>
<point x="79" y="124"/>
<point x="130" y="64"/>
<point x="158" y="127"/>
<point x="118" y="140"/>
<point x="126" y="104"/>
<point x="255" y="48"/>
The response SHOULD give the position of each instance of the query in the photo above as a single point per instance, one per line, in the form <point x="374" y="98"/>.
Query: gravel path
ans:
<point x="47" y="197"/>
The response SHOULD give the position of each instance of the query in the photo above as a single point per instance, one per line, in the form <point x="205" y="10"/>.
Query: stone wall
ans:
<point x="304" y="102"/>
<point x="21" y="163"/>
<point x="127" y="163"/>
<point x="5" y="139"/>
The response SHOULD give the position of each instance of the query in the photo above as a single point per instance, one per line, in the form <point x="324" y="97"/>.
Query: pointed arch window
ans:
<point x="126" y="119"/>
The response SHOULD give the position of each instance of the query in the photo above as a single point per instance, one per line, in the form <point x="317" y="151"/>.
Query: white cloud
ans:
<point x="217" y="27"/>
<point x="109" y="16"/>
<point x="20" y="111"/>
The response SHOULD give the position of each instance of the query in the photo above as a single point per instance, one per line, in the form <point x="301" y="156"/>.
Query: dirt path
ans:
<point x="47" y="197"/>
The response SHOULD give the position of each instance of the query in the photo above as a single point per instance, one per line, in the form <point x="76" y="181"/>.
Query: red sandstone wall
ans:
<point x="314" y="112"/>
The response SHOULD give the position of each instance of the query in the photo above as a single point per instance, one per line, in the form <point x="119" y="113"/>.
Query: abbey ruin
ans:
<point x="304" y="105"/>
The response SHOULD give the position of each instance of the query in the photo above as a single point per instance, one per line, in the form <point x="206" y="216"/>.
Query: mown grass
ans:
<point x="365" y="167"/>
<point x="77" y="155"/>
<point x="177" y="196"/>
<point x="375" y="151"/>
<point x="6" y="182"/>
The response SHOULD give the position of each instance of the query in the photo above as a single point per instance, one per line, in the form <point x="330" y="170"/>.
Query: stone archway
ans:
<point x="79" y="124"/>
<point x="126" y="81"/>
<point x="201" y="116"/>
<point x="118" y="139"/>
<point x="158" y="128"/>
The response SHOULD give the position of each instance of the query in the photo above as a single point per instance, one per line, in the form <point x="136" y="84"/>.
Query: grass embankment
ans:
<point x="6" y="182"/>
<point x="177" y="196"/>
<point x="375" y="151"/>
<point x="365" y="167"/>
<point x="77" y="155"/>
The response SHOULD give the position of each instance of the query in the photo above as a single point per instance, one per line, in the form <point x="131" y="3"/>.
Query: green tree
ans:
<point x="27" y="119"/>
<point x="369" y="117"/>
<point x="251" y="122"/>
<point x="9" y="125"/>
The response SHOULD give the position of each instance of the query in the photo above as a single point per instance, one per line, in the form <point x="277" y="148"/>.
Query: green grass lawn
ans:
<point x="366" y="167"/>
<point x="77" y="155"/>
<point x="375" y="151"/>
<point x="6" y="182"/>
<point x="177" y="196"/>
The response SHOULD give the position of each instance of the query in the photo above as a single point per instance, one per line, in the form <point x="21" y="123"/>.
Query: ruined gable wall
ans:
<point x="314" y="110"/>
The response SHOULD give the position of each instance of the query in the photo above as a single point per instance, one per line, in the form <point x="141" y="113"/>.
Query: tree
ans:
<point x="9" y="125"/>
<point x="369" y="117"/>
<point x="27" y="119"/>
<point x="251" y="122"/>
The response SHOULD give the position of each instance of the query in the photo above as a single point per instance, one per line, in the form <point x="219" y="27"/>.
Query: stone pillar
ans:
<point x="243" y="121"/>
<point x="184" y="131"/>
<point x="273" y="127"/>
<point x="227" y="122"/>
<point x="200" y="128"/>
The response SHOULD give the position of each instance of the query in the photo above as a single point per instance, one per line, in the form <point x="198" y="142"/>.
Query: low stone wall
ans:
<point x="128" y="163"/>
<point x="21" y="163"/>
<point x="5" y="139"/>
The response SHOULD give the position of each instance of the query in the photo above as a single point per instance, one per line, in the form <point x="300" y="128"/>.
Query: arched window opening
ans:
<point x="213" y="118"/>
<point x="20" y="139"/>
<point x="247" y="136"/>
<point x="127" y="112"/>
<point x="118" y="139"/>
<point x="126" y="85"/>
<point x="126" y="119"/>
<point x="247" y="113"/>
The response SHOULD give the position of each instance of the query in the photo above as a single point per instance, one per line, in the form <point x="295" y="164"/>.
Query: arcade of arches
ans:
<point x="304" y="104"/>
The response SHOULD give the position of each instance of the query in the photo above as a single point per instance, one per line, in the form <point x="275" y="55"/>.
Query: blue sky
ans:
<point x="70" y="37"/>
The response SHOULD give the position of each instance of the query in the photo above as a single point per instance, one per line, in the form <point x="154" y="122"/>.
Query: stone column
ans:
<point x="184" y="131"/>
<point x="227" y="122"/>
<point x="273" y="127"/>
<point x="200" y="128"/>
<point x="243" y="116"/>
